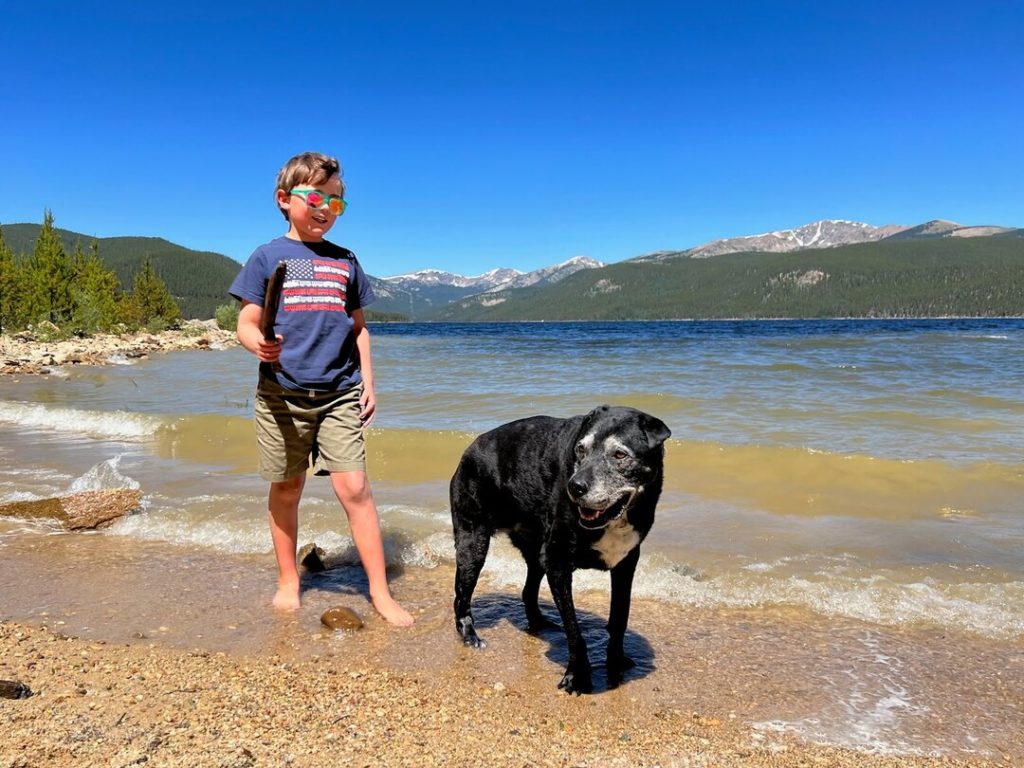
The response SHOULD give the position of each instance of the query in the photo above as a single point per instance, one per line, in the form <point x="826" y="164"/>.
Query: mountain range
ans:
<point x="200" y="279"/>
<point x="419" y="293"/>
<point x="823" y="269"/>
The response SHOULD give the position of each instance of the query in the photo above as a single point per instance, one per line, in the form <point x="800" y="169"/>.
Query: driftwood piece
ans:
<point x="79" y="511"/>
<point x="271" y="301"/>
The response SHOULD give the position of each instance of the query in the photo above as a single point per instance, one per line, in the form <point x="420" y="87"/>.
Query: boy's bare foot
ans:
<point x="287" y="597"/>
<point x="392" y="612"/>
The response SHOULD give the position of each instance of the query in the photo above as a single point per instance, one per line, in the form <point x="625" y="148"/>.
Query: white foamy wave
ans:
<point x="230" y="536"/>
<point x="104" y="475"/>
<point x="430" y="552"/>
<point x="115" y="425"/>
<point x="993" y="610"/>
<point x="865" y="708"/>
<point x="21" y="496"/>
<point x="36" y="473"/>
<point x="119" y="359"/>
<point x="989" y="609"/>
<point x="234" y="531"/>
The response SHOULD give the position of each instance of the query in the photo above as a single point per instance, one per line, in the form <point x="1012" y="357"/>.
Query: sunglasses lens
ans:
<point x="337" y="206"/>
<point x="314" y="199"/>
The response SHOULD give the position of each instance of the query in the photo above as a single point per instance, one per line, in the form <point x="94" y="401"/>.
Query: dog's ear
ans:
<point x="656" y="430"/>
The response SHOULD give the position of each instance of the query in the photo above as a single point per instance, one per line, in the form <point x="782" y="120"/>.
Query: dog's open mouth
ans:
<point x="595" y="519"/>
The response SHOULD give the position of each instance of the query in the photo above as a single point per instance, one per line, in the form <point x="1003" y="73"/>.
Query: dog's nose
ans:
<point x="577" y="488"/>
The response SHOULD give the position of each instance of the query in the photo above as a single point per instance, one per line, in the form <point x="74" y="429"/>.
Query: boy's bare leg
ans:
<point x="353" y="491"/>
<point x="284" y="531"/>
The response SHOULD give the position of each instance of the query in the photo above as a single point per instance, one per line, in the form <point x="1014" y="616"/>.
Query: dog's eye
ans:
<point x="580" y="449"/>
<point x="620" y="455"/>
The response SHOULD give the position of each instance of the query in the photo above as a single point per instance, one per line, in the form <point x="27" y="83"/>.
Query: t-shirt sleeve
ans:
<point x="363" y="293"/>
<point x="251" y="282"/>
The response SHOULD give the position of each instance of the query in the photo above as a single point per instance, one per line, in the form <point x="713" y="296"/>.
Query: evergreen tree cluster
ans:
<point x="77" y="293"/>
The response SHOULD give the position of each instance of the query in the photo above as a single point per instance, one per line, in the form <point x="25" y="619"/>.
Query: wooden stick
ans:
<point x="271" y="301"/>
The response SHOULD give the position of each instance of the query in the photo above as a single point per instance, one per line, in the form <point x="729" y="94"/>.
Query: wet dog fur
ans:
<point x="570" y="493"/>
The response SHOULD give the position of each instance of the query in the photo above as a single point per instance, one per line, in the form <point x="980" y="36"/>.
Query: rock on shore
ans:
<point x="79" y="511"/>
<point x="25" y="353"/>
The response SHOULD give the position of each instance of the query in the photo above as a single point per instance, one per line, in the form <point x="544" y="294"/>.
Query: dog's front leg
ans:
<point x="577" y="677"/>
<point x="618" y="616"/>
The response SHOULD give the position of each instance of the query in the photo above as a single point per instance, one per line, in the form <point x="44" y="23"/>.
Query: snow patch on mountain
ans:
<point x="494" y="280"/>
<point x="827" y="233"/>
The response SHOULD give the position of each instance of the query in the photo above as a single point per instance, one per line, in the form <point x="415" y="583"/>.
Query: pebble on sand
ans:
<point x="340" y="617"/>
<point x="14" y="689"/>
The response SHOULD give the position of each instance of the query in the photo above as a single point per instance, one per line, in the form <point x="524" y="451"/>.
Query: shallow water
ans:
<point x="856" y="482"/>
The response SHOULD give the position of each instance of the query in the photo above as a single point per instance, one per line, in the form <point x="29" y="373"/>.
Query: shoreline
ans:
<point x="198" y="669"/>
<point x="104" y="703"/>
<point x="21" y="353"/>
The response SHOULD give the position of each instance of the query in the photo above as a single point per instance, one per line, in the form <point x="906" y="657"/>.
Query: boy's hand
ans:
<point x="269" y="351"/>
<point x="367" y="406"/>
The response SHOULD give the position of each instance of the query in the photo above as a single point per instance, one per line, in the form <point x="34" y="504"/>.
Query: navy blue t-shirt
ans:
<point x="323" y="285"/>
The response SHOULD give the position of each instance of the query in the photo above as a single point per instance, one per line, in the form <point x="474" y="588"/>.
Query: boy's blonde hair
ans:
<point x="307" y="168"/>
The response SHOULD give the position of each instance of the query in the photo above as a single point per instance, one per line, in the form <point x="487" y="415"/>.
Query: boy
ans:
<point x="315" y="392"/>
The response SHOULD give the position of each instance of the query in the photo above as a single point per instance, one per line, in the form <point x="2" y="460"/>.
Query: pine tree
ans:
<point x="150" y="303"/>
<point x="95" y="292"/>
<point x="49" y="276"/>
<point x="9" y="298"/>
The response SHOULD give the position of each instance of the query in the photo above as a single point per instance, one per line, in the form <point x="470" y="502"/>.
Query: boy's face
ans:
<point x="306" y="222"/>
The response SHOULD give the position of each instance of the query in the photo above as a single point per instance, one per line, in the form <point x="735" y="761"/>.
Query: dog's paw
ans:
<point x="468" y="633"/>
<point x="616" y="665"/>
<point x="576" y="682"/>
<point x="539" y="624"/>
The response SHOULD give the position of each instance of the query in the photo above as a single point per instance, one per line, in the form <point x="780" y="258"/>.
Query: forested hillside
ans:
<point x="198" y="280"/>
<point x="981" y="276"/>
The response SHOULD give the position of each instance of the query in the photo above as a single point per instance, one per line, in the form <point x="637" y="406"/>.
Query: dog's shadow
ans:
<point x="491" y="609"/>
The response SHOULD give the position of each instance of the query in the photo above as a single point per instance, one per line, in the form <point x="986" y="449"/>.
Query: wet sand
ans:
<point x="110" y="704"/>
<point x="144" y="652"/>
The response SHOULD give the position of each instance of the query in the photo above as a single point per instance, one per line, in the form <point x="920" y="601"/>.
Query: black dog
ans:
<point x="570" y="493"/>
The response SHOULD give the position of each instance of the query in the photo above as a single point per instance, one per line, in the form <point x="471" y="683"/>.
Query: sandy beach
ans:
<point x="199" y="670"/>
<point x="107" y="704"/>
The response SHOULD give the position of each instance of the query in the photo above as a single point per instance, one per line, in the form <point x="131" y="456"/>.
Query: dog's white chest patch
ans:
<point x="619" y="539"/>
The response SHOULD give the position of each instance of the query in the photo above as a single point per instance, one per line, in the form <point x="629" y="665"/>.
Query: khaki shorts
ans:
<point x="292" y="426"/>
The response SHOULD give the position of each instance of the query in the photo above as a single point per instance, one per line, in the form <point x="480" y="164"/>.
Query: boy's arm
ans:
<point x="368" y="400"/>
<point x="251" y="337"/>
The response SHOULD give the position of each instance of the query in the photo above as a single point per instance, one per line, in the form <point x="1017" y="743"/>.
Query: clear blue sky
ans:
<point x="477" y="135"/>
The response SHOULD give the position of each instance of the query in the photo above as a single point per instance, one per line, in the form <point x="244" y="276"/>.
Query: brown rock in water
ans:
<point x="311" y="557"/>
<point x="14" y="689"/>
<point x="79" y="511"/>
<point x="340" y="617"/>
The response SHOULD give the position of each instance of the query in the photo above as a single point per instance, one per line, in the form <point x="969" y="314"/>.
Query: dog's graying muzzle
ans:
<point x="594" y="521"/>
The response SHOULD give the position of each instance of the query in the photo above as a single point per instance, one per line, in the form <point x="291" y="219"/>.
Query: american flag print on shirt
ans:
<point x="315" y="285"/>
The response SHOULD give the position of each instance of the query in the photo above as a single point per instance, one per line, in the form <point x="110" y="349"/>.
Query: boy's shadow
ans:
<point x="491" y="609"/>
<point x="340" y="572"/>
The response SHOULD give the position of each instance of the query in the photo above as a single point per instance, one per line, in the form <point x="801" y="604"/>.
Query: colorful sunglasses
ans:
<point x="317" y="199"/>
